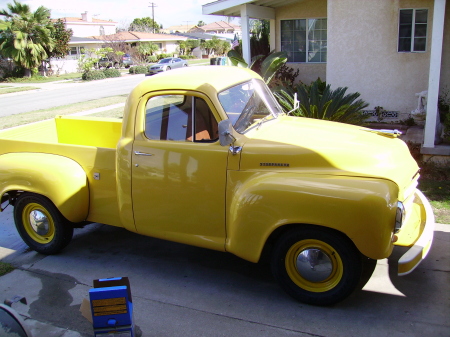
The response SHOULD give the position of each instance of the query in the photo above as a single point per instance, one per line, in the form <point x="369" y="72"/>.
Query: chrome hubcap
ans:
<point x="314" y="265"/>
<point x="39" y="222"/>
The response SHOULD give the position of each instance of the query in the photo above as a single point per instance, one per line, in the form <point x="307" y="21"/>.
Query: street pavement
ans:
<point x="54" y="94"/>
<point x="180" y="290"/>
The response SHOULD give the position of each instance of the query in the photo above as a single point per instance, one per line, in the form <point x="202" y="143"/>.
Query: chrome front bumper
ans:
<point x="420" y="248"/>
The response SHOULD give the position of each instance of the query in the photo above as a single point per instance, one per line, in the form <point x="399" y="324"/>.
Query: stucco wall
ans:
<point x="309" y="9"/>
<point x="90" y="29"/>
<point x="362" y="52"/>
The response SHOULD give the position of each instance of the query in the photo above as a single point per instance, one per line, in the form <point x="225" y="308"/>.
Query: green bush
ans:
<point x="319" y="102"/>
<point x="138" y="70"/>
<point x="111" y="72"/>
<point x="152" y="59"/>
<point x="163" y="56"/>
<point x="93" y="75"/>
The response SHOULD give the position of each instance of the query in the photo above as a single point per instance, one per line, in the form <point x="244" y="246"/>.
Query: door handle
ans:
<point x="138" y="153"/>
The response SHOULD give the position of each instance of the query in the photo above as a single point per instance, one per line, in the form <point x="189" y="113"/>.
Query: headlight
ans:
<point x="399" y="217"/>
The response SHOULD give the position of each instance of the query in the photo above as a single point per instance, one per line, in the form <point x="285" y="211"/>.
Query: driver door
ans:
<point x="179" y="171"/>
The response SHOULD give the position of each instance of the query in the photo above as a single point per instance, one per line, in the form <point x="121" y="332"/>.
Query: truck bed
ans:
<point x="89" y="141"/>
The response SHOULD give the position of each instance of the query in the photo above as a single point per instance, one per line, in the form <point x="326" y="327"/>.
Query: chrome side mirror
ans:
<point x="226" y="133"/>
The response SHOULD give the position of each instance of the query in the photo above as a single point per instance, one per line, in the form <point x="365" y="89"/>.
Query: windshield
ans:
<point x="248" y="103"/>
<point x="164" y="61"/>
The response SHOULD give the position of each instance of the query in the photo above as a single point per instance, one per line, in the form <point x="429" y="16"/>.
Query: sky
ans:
<point x="167" y="12"/>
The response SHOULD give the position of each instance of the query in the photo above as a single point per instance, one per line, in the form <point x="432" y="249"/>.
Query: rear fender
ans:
<point x="60" y="179"/>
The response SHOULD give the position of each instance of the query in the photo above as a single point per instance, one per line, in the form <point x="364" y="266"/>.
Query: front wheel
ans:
<point x="317" y="266"/>
<point x="40" y="224"/>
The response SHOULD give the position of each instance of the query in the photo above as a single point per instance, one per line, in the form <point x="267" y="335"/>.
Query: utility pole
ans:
<point x="187" y="25"/>
<point x="153" y="5"/>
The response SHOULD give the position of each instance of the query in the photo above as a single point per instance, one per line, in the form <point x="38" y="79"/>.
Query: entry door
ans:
<point x="179" y="173"/>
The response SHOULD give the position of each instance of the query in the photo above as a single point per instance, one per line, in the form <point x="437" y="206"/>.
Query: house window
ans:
<point x="412" y="31"/>
<point x="102" y="30"/>
<point x="73" y="51"/>
<point x="305" y="40"/>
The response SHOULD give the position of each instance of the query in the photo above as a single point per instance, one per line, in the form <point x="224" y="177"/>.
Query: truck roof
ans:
<point x="198" y="78"/>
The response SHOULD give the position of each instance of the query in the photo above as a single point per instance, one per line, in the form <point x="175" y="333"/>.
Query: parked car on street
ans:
<point x="127" y="61"/>
<point x="104" y="62"/>
<point x="167" y="64"/>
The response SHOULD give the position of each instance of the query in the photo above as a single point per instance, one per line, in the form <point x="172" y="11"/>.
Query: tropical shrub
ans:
<point x="138" y="70"/>
<point x="269" y="65"/>
<point x="93" y="75"/>
<point x="111" y="72"/>
<point x="323" y="103"/>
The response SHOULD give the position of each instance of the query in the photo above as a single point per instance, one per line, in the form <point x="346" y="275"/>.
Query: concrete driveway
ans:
<point x="186" y="291"/>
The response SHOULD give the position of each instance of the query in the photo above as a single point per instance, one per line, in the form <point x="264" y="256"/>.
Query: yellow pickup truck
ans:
<point x="205" y="156"/>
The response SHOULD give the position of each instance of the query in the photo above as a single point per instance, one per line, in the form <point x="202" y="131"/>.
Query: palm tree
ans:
<point x="25" y="36"/>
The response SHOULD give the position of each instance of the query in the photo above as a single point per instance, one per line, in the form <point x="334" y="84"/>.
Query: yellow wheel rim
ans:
<point x="38" y="223"/>
<point x="314" y="265"/>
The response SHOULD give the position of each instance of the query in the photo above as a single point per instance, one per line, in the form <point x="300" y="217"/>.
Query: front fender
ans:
<point x="259" y="203"/>
<point x="60" y="179"/>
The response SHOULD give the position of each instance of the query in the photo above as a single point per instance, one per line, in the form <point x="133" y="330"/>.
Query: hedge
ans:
<point x="93" y="75"/>
<point x="111" y="72"/>
<point x="138" y="70"/>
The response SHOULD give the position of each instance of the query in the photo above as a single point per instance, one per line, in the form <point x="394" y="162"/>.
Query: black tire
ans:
<point x="298" y="252"/>
<point x="48" y="237"/>
<point x="168" y="68"/>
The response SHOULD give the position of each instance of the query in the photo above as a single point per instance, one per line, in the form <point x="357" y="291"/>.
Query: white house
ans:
<point x="89" y="26"/>
<point x="386" y="50"/>
<point x="167" y="43"/>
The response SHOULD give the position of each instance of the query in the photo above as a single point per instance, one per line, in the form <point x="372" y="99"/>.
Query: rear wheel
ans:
<point x="40" y="224"/>
<point x="316" y="265"/>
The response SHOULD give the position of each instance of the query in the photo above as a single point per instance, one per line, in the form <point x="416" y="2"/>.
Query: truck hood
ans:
<point x="322" y="147"/>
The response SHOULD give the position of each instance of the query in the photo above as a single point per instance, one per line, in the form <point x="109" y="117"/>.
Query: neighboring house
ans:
<point x="198" y="52"/>
<point x="78" y="45"/>
<point x="215" y="28"/>
<point x="177" y="29"/>
<point x="167" y="43"/>
<point x="88" y="26"/>
<point x="386" y="50"/>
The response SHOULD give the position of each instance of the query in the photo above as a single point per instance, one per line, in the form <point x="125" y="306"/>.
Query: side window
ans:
<point x="178" y="117"/>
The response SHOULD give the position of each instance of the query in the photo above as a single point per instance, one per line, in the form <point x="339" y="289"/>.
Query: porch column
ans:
<point x="272" y="34"/>
<point x="257" y="12"/>
<point x="435" y="72"/>
<point x="245" y="23"/>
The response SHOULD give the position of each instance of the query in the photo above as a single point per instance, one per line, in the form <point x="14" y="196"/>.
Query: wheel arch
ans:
<point x="281" y="230"/>
<point x="59" y="179"/>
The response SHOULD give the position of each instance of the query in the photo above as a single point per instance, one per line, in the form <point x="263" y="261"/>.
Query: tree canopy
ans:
<point x="26" y="36"/>
<point x="61" y="37"/>
<point x="147" y="25"/>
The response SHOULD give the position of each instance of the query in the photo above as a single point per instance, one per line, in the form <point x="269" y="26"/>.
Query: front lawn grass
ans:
<point x="7" y="90"/>
<point x="41" y="79"/>
<point x="40" y="115"/>
<point x="5" y="268"/>
<point x="435" y="184"/>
